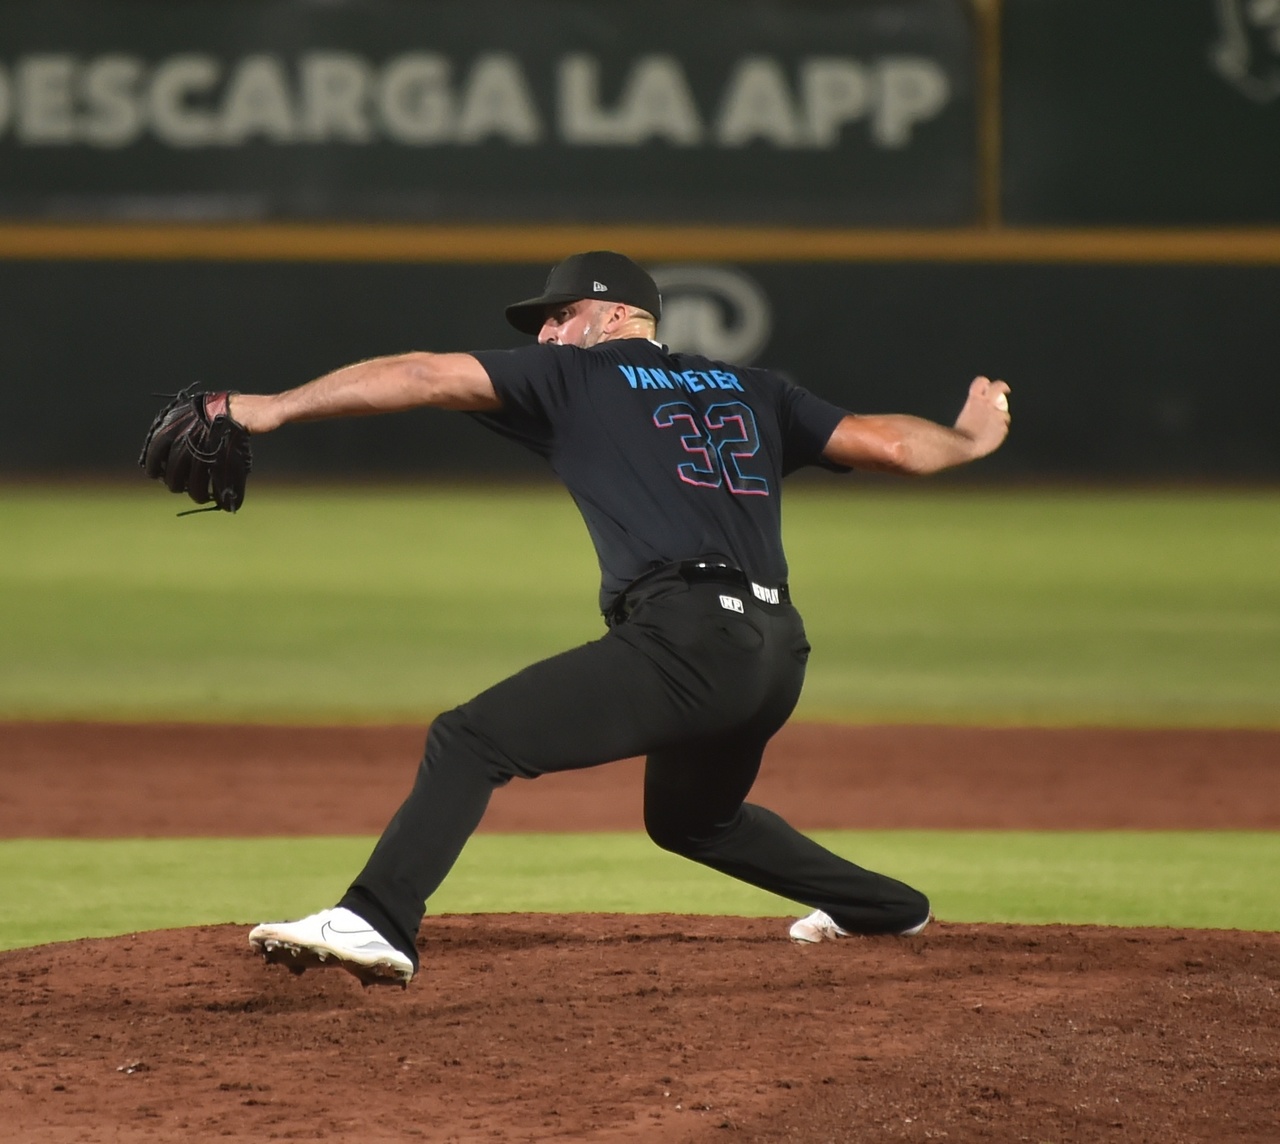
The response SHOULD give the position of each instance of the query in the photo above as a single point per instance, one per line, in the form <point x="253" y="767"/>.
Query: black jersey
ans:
<point x="668" y="456"/>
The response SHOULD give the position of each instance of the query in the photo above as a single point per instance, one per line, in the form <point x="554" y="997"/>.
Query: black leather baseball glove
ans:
<point x="196" y="447"/>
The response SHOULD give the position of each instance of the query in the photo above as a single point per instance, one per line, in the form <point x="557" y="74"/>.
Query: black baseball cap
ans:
<point x="602" y="274"/>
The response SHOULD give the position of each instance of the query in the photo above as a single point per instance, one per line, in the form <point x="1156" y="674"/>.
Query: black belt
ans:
<point x="697" y="572"/>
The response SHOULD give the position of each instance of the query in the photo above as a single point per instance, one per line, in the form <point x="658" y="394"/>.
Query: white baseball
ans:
<point x="1002" y="403"/>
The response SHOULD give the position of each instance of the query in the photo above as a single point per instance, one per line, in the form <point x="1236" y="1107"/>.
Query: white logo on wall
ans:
<point x="1248" y="54"/>
<point x="715" y="311"/>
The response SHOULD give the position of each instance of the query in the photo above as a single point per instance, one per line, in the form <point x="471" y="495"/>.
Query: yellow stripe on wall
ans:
<point x="290" y="242"/>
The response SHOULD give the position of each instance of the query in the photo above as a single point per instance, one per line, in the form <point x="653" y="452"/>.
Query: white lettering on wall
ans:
<point x="45" y="102"/>
<point x="758" y="105"/>
<point x="911" y="91"/>
<point x="415" y="101"/>
<point x="334" y="89"/>
<point x="174" y="86"/>
<point x="834" y="92"/>
<point x="582" y="120"/>
<point x="655" y="103"/>
<point x="113" y="111"/>
<point x="426" y="99"/>
<point x="258" y="103"/>
<point x="497" y="102"/>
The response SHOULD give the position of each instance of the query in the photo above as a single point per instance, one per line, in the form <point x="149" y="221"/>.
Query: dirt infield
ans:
<point x="613" y="1028"/>
<point x="99" y="780"/>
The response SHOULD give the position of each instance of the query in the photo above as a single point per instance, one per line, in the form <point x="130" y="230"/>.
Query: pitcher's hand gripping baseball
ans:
<point x="196" y="447"/>
<point x="985" y="416"/>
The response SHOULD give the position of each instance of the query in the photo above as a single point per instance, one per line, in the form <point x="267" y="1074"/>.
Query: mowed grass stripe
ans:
<point x="57" y="890"/>
<point x="945" y="605"/>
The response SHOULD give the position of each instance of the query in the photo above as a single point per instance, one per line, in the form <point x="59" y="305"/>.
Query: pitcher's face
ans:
<point x="574" y="324"/>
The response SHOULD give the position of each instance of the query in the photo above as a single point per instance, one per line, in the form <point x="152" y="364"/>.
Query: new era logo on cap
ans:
<point x="599" y="287"/>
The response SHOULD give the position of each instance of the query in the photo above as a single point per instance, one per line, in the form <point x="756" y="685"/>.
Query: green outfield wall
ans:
<point x="1117" y="370"/>
<point x="881" y="198"/>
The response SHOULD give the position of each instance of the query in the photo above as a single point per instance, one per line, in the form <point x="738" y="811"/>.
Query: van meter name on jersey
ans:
<point x="690" y="380"/>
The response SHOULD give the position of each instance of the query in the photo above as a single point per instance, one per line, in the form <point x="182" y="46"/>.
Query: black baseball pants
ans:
<point x="687" y="681"/>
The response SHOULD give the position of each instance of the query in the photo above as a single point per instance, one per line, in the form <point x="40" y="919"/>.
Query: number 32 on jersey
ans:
<point x="720" y="439"/>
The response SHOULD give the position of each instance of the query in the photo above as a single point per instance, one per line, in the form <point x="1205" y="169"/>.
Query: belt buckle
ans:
<point x="701" y="570"/>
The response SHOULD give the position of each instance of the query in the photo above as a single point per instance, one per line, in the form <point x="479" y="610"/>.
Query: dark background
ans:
<point x="1114" y="116"/>
<point x="1117" y="370"/>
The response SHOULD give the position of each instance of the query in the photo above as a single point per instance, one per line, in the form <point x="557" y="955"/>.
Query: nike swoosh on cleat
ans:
<point x="328" y="928"/>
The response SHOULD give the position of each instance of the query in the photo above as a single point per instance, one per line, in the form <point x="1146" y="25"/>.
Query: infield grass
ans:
<point x="59" y="890"/>
<point x="944" y="604"/>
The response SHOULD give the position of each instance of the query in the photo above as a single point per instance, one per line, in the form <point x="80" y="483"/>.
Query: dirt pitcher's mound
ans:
<point x="610" y="1028"/>
<point x="664" y="1029"/>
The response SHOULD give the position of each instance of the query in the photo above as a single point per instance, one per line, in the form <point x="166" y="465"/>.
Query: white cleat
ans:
<point x="334" y="937"/>
<point x="818" y="926"/>
<point x="916" y="928"/>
